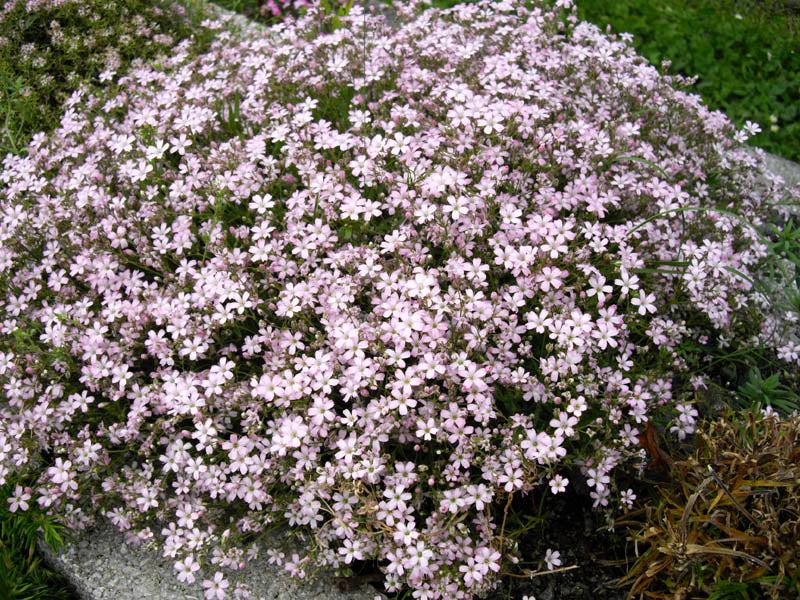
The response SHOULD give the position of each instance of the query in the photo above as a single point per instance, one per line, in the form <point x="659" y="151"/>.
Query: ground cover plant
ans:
<point x="49" y="48"/>
<point x="377" y="284"/>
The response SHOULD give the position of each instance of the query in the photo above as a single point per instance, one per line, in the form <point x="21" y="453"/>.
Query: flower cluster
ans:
<point x="272" y="11"/>
<point x="372" y="282"/>
<point x="278" y="8"/>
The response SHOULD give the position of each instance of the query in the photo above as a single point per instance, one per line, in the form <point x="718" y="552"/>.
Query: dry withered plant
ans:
<point x="728" y="519"/>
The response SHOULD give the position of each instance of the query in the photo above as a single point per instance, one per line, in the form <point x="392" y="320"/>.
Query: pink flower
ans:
<point x="371" y="323"/>
<point x="186" y="569"/>
<point x="19" y="499"/>
<point x="645" y="302"/>
<point x="215" y="588"/>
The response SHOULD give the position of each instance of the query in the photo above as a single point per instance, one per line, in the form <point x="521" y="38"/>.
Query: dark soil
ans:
<point x="575" y="530"/>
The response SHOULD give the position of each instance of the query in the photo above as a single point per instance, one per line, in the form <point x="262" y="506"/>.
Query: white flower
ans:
<point x="552" y="559"/>
<point x="558" y="484"/>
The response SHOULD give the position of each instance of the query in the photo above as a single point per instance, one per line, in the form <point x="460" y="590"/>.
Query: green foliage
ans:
<point x="446" y="3"/>
<point x="746" y="55"/>
<point x="23" y="576"/>
<point x="760" y="392"/>
<point x="249" y="8"/>
<point x="737" y="590"/>
<point x="786" y="243"/>
<point x="336" y="9"/>
<point x="48" y="53"/>
<point x="18" y="110"/>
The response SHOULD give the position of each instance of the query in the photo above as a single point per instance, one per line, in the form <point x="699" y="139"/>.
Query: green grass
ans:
<point x="23" y="576"/>
<point x="746" y="54"/>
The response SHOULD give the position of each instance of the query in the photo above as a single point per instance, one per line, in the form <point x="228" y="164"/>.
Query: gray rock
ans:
<point x="100" y="565"/>
<point x="381" y="8"/>
<point x="790" y="171"/>
<point x="233" y="20"/>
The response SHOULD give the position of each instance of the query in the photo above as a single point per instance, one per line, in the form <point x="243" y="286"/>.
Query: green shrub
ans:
<point x="746" y="55"/>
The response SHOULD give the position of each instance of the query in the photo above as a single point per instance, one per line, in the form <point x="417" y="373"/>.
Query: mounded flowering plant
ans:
<point x="372" y="283"/>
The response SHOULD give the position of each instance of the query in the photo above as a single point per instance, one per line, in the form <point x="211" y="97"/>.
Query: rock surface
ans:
<point x="99" y="565"/>
<point x="790" y="171"/>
